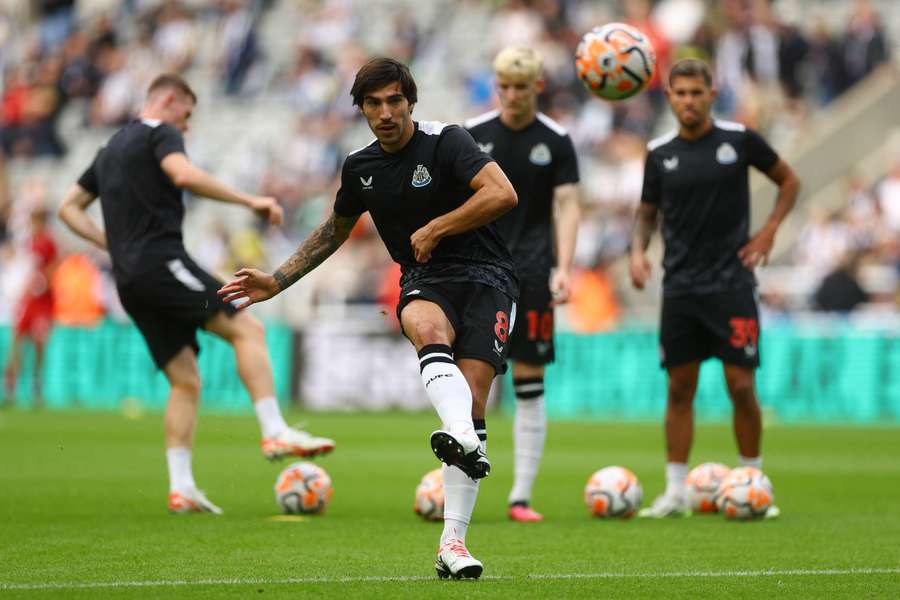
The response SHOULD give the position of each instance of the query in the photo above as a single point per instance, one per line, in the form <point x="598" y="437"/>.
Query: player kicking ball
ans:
<point x="537" y="155"/>
<point x="697" y="178"/>
<point x="432" y="195"/>
<point x="139" y="177"/>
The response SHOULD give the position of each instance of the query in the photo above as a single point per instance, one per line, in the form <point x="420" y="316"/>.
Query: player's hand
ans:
<point x="424" y="241"/>
<point x="252" y="284"/>
<point x="756" y="251"/>
<point x="560" y="287"/>
<point x="639" y="268"/>
<point x="268" y="208"/>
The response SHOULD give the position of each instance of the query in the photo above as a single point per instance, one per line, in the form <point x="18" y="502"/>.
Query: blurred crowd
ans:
<point x="80" y="67"/>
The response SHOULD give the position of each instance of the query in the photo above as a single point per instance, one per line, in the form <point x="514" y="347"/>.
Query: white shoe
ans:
<point x="453" y="560"/>
<point x="666" y="505"/>
<point x="773" y="512"/>
<point x="462" y="450"/>
<point x="295" y="442"/>
<point x="192" y="500"/>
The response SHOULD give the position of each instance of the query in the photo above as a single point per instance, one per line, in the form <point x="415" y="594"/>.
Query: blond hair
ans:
<point x="519" y="62"/>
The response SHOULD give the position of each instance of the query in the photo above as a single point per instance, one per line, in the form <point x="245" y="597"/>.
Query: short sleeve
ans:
<point x="759" y="153"/>
<point x="567" y="169"/>
<point x="650" y="191"/>
<point x="166" y="140"/>
<point x="88" y="180"/>
<point x="347" y="203"/>
<point x="458" y="151"/>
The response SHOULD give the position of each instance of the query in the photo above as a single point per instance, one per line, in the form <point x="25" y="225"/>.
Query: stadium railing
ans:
<point x="815" y="369"/>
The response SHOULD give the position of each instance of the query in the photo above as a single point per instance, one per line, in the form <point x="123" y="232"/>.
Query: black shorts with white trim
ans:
<point x="169" y="302"/>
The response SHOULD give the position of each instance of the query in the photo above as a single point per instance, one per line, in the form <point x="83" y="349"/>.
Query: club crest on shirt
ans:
<point x="726" y="154"/>
<point x="670" y="164"/>
<point x="487" y="148"/>
<point x="540" y="155"/>
<point x="420" y="177"/>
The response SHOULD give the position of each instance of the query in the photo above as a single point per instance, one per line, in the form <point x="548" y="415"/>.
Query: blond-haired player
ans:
<point x="538" y="157"/>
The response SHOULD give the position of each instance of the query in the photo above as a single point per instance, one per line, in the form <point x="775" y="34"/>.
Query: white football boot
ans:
<point x="453" y="560"/>
<point x="191" y="501"/>
<point x="295" y="442"/>
<point x="462" y="450"/>
<point x="773" y="512"/>
<point x="666" y="505"/>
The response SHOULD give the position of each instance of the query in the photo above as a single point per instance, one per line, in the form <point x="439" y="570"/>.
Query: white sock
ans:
<point x="675" y="475"/>
<point x="271" y="423"/>
<point x="746" y="461"/>
<point x="529" y="434"/>
<point x="181" y="478"/>
<point x="446" y="387"/>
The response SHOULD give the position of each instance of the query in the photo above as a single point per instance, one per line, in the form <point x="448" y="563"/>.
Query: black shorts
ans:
<point x="532" y="337"/>
<point x="169" y="302"/>
<point x="723" y="325"/>
<point x="481" y="316"/>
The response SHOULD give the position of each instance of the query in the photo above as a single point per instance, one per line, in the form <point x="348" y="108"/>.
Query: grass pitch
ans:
<point x="82" y="515"/>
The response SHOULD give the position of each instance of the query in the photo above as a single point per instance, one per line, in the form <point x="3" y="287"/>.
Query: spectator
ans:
<point x="826" y="63"/>
<point x="864" y="44"/>
<point x="175" y="37"/>
<point x="238" y="45"/>
<point x="57" y="18"/>
<point x="840" y="290"/>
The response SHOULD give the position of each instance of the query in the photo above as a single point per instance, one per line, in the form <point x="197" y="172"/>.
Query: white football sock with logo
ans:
<point x="446" y="387"/>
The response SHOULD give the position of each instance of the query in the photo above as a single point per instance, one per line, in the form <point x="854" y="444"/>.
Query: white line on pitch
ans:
<point x="404" y="579"/>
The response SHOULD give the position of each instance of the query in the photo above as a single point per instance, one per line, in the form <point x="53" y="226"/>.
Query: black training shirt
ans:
<point x="536" y="159"/>
<point x="142" y="208"/>
<point x="405" y="190"/>
<point x="702" y="189"/>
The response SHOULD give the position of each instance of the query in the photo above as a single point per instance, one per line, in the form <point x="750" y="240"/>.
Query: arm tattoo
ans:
<point x="320" y="244"/>
<point x="644" y="226"/>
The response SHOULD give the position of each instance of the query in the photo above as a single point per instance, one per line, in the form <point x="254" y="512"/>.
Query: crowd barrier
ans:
<point x="825" y="371"/>
<point x="106" y="366"/>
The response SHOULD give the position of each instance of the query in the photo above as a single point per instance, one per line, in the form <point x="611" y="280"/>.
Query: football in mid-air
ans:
<point x="615" y="61"/>
<point x="745" y="494"/>
<point x="703" y="484"/>
<point x="430" y="496"/>
<point x="303" y="489"/>
<point x="613" y="492"/>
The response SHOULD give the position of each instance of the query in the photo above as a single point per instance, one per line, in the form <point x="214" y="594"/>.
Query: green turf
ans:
<point x="82" y="502"/>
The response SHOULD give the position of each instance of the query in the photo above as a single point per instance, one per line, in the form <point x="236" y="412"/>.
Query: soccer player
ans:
<point x="432" y="195"/>
<point x="139" y="176"/>
<point x="696" y="177"/>
<point x="34" y="315"/>
<point x="537" y="155"/>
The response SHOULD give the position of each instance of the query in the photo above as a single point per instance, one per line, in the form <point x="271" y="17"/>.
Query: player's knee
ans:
<point x="743" y="394"/>
<point x="250" y="328"/>
<point x="681" y="393"/>
<point x="428" y="333"/>
<point x="188" y="384"/>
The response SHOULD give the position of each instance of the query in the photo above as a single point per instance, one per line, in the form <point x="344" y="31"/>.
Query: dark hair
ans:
<point x="379" y="72"/>
<point x="691" y="67"/>
<point x="172" y="81"/>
